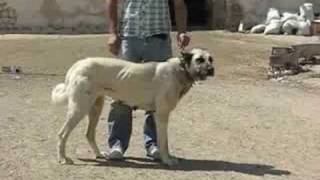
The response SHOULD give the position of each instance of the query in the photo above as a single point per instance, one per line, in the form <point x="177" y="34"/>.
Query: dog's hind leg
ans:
<point x="74" y="116"/>
<point x="79" y="104"/>
<point x="94" y="115"/>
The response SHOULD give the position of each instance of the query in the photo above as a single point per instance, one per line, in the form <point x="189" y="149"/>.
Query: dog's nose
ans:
<point x="211" y="72"/>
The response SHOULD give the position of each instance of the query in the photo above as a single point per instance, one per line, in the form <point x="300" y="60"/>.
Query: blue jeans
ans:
<point x="137" y="50"/>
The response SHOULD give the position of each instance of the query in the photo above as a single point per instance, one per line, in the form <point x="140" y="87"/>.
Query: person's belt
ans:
<point x="161" y="36"/>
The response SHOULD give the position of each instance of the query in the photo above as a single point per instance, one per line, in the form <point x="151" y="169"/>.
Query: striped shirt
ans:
<point x="144" y="18"/>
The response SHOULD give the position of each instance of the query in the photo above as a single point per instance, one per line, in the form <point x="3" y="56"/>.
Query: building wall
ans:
<point x="218" y="14"/>
<point x="52" y="15"/>
<point x="87" y="16"/>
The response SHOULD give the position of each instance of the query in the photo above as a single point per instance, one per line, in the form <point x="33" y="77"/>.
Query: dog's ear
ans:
<point x="186" y="56"/>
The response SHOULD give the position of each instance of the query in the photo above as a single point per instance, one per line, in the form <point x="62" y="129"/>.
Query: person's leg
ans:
<point x="119" y="126"/>
<point x="149" y="131"/>
<point x="157" y="50"/>
<point x="120" y="115"/>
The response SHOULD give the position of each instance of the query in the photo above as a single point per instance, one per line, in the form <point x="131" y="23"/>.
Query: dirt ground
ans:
<point x="239" y="125"/>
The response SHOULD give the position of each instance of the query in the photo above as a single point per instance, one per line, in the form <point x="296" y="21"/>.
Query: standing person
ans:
<point x="141" y="34"/>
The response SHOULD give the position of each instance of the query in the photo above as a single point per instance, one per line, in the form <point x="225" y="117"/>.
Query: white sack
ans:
<point x="274" y="27"/>
<point x="258" y="28"/>
<point x="289" y="26"/>
<point x="304" y="28"/>
<point x="289" y="16"/>
<point x="306" y="11"/>
<point x="272" y="14"/>
<point x="241" y="27"/>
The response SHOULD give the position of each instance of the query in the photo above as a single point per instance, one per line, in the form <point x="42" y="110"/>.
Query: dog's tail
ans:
<point x="59" y="94"/>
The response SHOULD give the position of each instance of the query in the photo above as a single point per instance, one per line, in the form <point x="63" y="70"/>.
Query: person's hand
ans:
<point x="114" y="44"/>
<point x="183" y="40"/>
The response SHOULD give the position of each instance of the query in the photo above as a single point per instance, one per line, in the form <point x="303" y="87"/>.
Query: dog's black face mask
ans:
<point x="199" y="64"/>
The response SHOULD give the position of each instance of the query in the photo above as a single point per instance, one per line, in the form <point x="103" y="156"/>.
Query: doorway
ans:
<point x="199" y="14"/>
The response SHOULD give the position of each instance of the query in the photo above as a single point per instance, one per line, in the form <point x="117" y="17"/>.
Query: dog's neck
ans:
<point x="184" y="67"/>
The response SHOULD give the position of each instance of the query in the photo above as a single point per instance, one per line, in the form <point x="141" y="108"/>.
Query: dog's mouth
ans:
<point x="210" y="72"/>
<point x="202" y="77"/>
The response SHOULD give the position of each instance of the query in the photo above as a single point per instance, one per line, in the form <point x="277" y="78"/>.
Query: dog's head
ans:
<point x="199" y="63"/>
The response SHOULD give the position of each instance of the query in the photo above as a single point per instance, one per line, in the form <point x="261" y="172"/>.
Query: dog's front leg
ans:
<point x="162" y="120"/>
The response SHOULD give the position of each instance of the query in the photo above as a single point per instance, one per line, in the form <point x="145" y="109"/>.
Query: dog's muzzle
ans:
<point x="210" y="72"/>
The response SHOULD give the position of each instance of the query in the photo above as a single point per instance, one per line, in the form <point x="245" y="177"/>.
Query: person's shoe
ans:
<point x="153" y="152"/>
<point x="116" y="153"/>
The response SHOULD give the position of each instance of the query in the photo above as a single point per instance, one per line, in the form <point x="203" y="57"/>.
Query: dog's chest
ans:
<point x="184" y="90"/>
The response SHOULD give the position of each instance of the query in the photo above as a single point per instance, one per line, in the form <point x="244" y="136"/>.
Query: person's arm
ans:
<point x="181" y="17"/>
<point x="112" y="18"/>
<point x="112" y="15"/>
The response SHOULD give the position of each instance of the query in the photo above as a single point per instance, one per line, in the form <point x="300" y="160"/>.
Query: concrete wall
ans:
<point x="87" y="16"/>
<point x="52" y="15"/>
<point x="218" y="14"/>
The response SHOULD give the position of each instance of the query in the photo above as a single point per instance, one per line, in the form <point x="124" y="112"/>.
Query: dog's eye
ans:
<point x="200" y="60"/>
<point x="210" y="60"/>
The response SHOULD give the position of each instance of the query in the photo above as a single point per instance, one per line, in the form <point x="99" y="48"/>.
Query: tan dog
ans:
<point x="151" y="86"/>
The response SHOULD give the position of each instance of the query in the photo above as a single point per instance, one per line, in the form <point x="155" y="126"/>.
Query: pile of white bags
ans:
<point x="287" y="23"/>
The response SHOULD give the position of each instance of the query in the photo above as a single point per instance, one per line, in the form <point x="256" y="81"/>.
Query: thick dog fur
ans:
<point x="151" y="86"/>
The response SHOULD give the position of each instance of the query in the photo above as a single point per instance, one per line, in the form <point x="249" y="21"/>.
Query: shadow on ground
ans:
<point x="191" y="165"/>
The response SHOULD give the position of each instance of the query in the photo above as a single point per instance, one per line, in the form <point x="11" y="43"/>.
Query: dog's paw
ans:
<point x="171" y="161"/>
<point x="66" y="161"/>
<point x="102" y="155"/>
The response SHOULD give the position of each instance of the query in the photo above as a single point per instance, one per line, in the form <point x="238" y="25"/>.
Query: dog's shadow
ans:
<point x="192" y="165"/>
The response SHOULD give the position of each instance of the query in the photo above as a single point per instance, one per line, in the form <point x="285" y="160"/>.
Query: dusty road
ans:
<point x="236" y="126"/>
